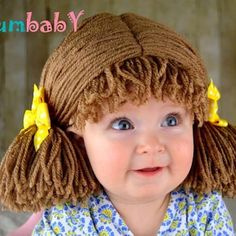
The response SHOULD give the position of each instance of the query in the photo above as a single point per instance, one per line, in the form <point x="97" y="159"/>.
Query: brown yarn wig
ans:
<point x="108" y="61"/>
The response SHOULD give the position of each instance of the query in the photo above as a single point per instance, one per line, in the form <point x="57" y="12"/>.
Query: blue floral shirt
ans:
<point x="187" y="214"/>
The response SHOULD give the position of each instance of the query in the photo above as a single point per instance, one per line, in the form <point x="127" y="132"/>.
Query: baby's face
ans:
<point x="141" y="153"/>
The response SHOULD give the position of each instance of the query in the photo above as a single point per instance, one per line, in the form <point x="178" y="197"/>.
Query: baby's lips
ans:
<point x="149" y="169"/>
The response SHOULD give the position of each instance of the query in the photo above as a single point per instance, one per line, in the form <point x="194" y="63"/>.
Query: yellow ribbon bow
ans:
<point x="39" y="116"/>
<point x="214" y="95"/>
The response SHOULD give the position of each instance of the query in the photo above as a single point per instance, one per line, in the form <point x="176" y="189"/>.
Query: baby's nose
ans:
<point x="150" y="144"/>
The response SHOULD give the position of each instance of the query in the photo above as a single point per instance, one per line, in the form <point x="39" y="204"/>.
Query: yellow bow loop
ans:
<point x="214" y="95"/>
<point x="38" y="115"/>
<point x="29" y="119"/>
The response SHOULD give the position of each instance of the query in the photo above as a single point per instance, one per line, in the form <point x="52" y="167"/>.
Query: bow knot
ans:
<point x="39" y="116"/>
<point x="214" y="95"/>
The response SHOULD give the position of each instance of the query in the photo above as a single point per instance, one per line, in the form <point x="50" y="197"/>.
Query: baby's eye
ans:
<point x="122" y="124"/>
<point x="171" y="120"/>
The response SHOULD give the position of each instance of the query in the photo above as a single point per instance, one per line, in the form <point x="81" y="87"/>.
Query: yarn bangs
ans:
<point x="136" y="80"/>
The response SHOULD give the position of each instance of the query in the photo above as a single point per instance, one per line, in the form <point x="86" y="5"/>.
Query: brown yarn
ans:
<point x="111" y="60"/>
<point x="214" y="160"/>
<point x="55" y="174"/>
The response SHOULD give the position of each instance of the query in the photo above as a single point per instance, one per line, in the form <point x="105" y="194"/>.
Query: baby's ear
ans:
<point x="76" y="132"/>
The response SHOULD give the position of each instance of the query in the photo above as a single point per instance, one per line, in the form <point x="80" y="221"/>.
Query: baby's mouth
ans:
<point x="149" y="171"/>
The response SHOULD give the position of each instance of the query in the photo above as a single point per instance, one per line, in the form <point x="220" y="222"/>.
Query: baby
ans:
<point x="127" y="140"/>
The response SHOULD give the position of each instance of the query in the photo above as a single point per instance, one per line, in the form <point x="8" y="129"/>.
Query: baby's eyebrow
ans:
<point x="182" y="110"/>
<point x="111" y="116"/>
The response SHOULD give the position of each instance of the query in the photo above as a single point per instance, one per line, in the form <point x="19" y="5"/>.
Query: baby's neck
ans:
<point x="143" y="218"/>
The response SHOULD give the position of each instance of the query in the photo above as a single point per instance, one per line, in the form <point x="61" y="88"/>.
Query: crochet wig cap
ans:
<point x="112" y="59"/>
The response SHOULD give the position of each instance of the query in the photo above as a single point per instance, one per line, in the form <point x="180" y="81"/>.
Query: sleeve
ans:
<point x="53" y="222"/>
<point x="43" y="228"/>
<point x="220" y="221"/>
<point x="60" y="220"/>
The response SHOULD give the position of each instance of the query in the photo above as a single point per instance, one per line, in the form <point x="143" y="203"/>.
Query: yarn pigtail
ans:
<point x="14" y="167"/>
<point x="214" y="160"/>
<point x="55" y="174"/>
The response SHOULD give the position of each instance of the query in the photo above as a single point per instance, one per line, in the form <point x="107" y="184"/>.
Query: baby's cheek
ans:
<point x="108" y="167"/>
<point x="117" y="164"/>
<point x="182" y="154"/>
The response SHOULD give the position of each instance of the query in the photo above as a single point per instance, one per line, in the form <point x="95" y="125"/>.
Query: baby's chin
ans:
<point x="148" y="195"/>
<point x="134" y="196"/>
